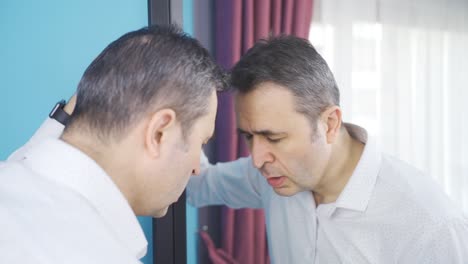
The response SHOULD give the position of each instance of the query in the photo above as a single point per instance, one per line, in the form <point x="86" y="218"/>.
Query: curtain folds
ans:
<point x="239" y="24"/>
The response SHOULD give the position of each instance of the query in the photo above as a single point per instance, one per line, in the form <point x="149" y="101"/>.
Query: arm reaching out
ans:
<point x="236" y="184"/>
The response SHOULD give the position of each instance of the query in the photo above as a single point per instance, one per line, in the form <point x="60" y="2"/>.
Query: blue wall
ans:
<point x="45" y="47"/>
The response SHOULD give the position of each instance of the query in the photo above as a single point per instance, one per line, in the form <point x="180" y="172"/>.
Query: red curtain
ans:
<point x="239" y="24"/>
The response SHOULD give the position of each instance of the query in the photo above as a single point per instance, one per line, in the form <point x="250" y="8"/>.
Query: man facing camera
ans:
<point x="329" y="194"/>
<point x="144" y="108"/>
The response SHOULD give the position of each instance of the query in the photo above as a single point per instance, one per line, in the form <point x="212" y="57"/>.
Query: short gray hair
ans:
<point x="145" y="70"/>
<point x="291" y="62"/>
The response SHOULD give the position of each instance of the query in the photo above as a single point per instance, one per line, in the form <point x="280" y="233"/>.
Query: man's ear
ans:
<point x="332" y="119"/>
<point x="157" y="130"/>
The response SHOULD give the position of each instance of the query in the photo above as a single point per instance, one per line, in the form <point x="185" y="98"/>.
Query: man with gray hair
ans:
<point x="329" y="194"/>
<point x="144" y="108"/>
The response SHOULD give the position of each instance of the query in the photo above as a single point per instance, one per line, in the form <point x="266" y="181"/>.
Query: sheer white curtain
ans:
<point x="402" y="69"/>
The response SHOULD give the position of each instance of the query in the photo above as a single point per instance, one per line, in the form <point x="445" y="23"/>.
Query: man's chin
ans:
<point x="160" y="213"/>
<point x="285" y="191"/>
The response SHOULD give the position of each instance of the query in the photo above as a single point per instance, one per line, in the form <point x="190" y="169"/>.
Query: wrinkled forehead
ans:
<point x="267" y="107"/>
<point x="264" y="96"/>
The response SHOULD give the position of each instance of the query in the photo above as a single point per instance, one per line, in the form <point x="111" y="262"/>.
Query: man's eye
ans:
<point x="248" y="136"/>
<point x="274" y="140"/>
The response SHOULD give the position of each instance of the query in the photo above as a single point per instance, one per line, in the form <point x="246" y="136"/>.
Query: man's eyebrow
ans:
<point x="265" y="132"/>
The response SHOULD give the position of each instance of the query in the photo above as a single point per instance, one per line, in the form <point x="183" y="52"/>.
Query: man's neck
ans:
<point x="107" y="156"/>
<point x="345" y="156"/>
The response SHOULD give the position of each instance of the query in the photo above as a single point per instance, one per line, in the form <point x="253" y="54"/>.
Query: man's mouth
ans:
<point x="276" y="182"/>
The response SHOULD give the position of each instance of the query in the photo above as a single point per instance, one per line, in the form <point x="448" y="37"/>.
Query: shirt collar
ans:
<point x="358" y="190"/>
<point x="58" y="161"/>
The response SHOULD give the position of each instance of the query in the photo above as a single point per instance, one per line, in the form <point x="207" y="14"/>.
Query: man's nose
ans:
<point x="260" y="153"/>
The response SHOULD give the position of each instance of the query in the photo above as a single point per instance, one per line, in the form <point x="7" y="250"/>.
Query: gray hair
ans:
<point x="146" y="70"/>
<point x="293" y="63"/>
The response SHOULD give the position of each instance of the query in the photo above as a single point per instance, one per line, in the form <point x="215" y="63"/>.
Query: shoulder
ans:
<point x="437" y="242"/>
<point x="412" y="194"/>
<point x="45" y="222"/>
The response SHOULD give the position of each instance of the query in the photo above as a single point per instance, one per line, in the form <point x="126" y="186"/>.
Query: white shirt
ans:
<point x="58" y="206"/>
<point x="388" y="212"/>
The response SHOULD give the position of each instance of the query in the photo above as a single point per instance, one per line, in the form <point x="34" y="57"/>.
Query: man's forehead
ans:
<point x="259" y="124"/>
<point x="266" y="95"/>
<point x="264" y="132"/>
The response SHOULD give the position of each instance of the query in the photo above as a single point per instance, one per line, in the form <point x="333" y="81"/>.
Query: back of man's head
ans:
<point x="143" y="71"/>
